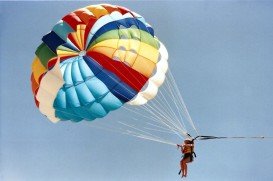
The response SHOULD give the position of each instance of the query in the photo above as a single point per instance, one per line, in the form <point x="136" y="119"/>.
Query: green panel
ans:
<point x="128" y="33"/>
<point x="44" y="53"/>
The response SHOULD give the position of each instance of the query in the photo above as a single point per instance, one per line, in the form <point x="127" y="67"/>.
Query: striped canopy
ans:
<point x="94" y="60"/>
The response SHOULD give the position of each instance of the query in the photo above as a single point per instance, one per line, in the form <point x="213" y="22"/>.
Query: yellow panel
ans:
<point x="88" y="11"/>
<point x="115" y="43"/>
<point x="130" y="57"/>
<point x="134" y="45"/>
<point x="37" y="68"/>
<point x="75" y="38"/>
<point x="112" y="43"/>
<point x="62" y="53"/>
<point x="123" y="43"/>
<point x="141" y="48"/>
<point x="144" y="66"/>
<point x="144" y="50"/>
<point x="80" y="35"/>
<point x="149" y="52"/>
<point x="63" y="48"/>
<point x="120" y="54"/>
<point x="107" y="51"/>
<point x="97" y="10"/>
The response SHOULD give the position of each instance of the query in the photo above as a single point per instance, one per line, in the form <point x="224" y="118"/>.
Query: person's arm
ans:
<point x="179" y="145"/>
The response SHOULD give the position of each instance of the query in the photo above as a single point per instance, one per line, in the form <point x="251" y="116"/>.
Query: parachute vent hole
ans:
<point x="82" y="53"/>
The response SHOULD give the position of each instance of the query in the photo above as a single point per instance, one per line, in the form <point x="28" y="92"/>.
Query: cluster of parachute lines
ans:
<point x="164" y="119"/>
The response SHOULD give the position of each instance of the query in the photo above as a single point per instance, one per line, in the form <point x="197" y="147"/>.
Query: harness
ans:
<point x="190" y="149"/>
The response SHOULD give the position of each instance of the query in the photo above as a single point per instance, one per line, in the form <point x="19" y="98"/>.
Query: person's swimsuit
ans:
<point x="188" y="155"/>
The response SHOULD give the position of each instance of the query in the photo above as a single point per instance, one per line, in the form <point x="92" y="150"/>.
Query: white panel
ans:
<point x="150" y="91"/>
<point x="49" y="112"/>
<point x="45" y="97"/>
<point x="158" y="78"/>
<point x="47" y="92"/>
<point x="162" y="65"/>
<point x="163" y="51"/>
<point x="138" y="100"/>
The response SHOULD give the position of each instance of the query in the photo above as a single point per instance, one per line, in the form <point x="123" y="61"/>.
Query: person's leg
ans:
<point x="181" y="166"/>
<point x="185" y="166"/>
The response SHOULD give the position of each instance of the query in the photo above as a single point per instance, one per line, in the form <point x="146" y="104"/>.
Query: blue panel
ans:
<point x="52" y="40"/>
<point x="151" y="30"/>
<point x="123" y="93"/>
<point x="110" y="102"/>
<point x="76" y="73"/>
<point x="68" y="45"/>
<point x="60" y="100"/>
<point x="91" y="98"/>
<point x="84" y="95"/>
<point x="67" y="74"/>
<point x="85" y="70"/>
<point x="98" y="110"/>
<point x="72" y="98"/>
<point x="97" y="87"/>
<point x="93" y="65"/>
<point x="67" y="114"/>
<point x="108" y="78"/>
<point x="85" y="113"/>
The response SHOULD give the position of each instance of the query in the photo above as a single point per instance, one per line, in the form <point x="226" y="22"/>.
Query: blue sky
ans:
<point x="221" y="56"/>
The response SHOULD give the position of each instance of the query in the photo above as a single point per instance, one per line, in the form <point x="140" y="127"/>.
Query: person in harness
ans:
<point x="187" y="150"/>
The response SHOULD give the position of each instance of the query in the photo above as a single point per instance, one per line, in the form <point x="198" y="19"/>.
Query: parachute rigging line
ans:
<point x="202" y="137"/>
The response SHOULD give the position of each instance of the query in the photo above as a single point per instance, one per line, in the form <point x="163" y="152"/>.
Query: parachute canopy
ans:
<point x="94" y="60"/>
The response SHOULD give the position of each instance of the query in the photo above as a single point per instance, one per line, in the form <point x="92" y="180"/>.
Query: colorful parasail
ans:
<point x="93" y="61"/>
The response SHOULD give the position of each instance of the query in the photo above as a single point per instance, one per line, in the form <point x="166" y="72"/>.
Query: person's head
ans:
<point x="188" y="141"/>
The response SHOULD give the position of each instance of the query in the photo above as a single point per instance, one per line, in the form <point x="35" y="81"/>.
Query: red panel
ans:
<point x="34" y="84"/>
<point x="90" y="24"/>
<point x="71" y="38"/>
<point x="51" y="63"/>
<point x="73" y="20"/>
<point x="36" y="102"/>
<point x="41" y="77"/>
<point x="83" y="14"/>
<point x="128" y="75"/>
<point x="123" y="10"/>
<point x="110" y="8"/>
